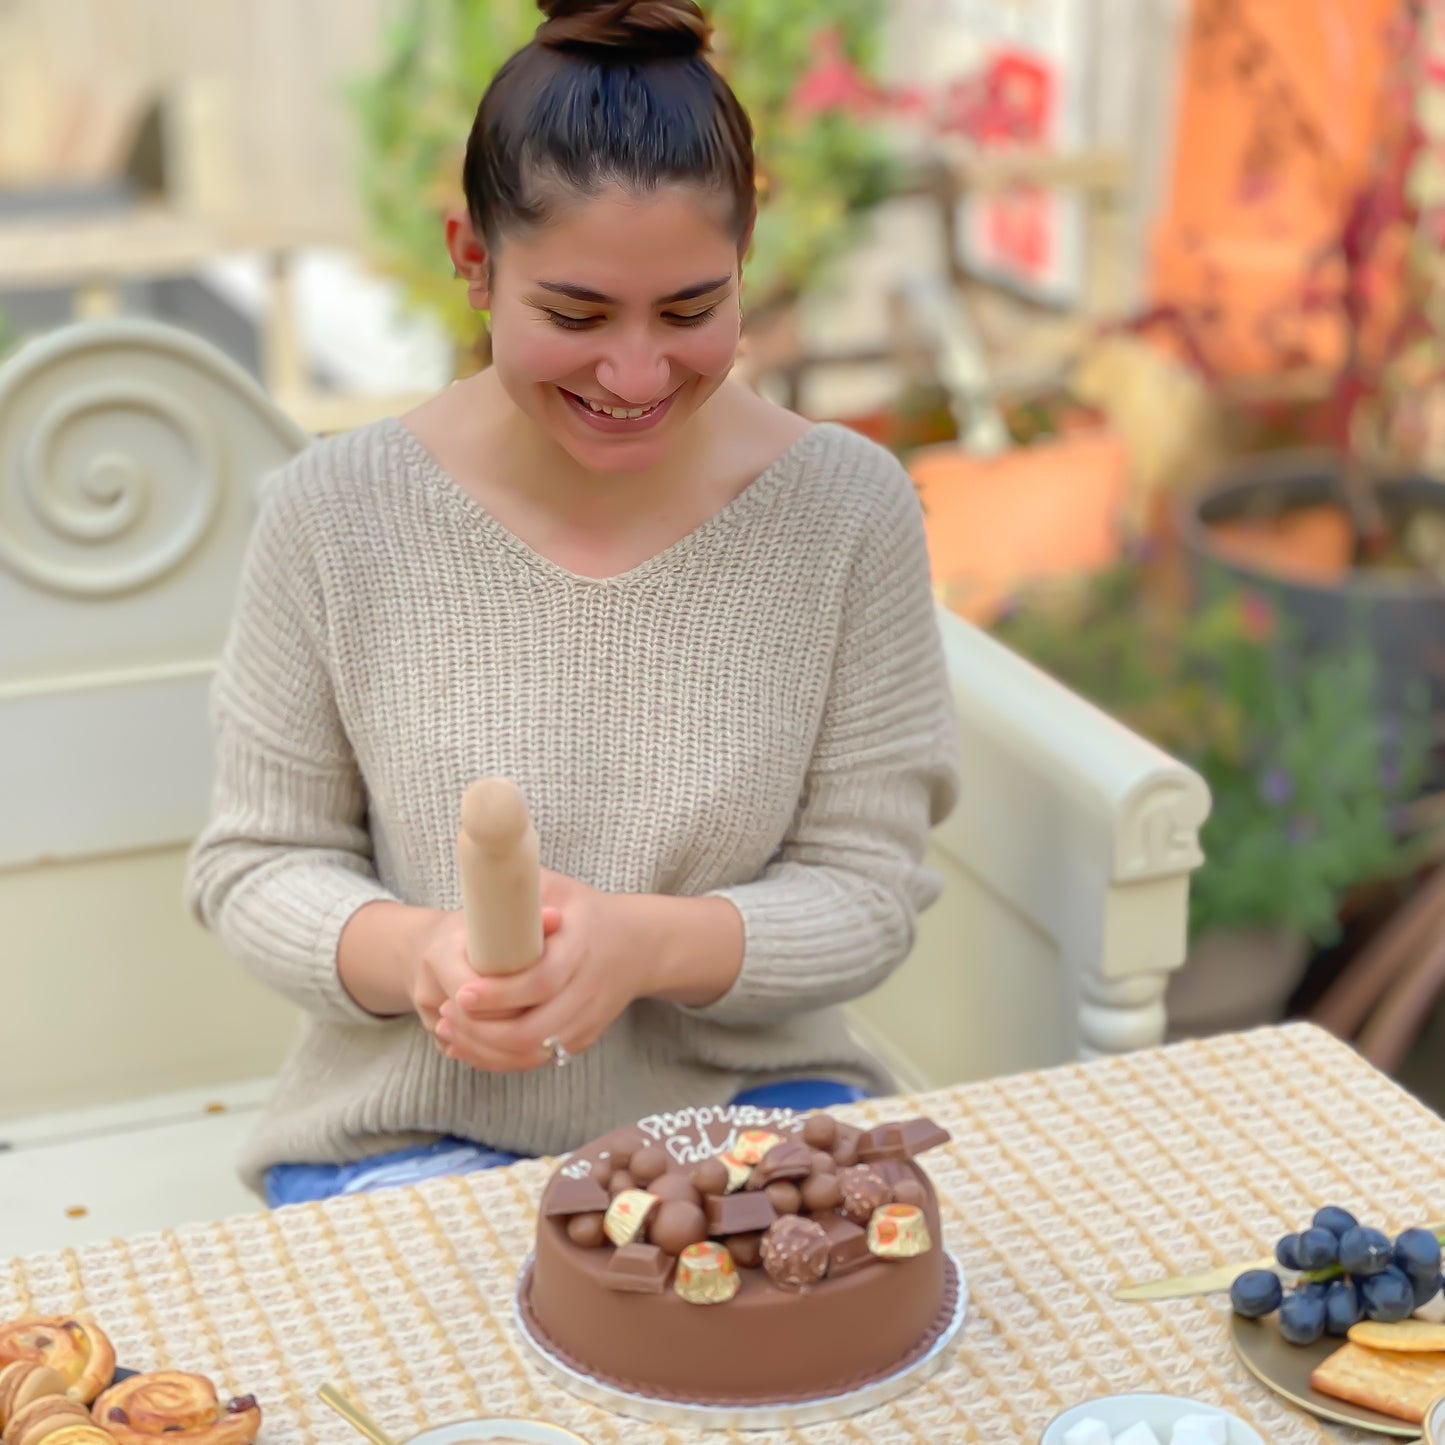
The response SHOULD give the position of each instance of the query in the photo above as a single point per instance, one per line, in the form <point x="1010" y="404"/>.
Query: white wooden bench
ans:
<point x="129" y="458"/>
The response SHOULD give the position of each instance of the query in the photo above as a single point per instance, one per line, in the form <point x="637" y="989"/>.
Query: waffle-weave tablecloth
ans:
<point x="1057" y="1186"/>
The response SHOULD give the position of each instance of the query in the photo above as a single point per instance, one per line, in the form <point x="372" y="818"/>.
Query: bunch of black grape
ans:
<point x="1346" y="1274"/>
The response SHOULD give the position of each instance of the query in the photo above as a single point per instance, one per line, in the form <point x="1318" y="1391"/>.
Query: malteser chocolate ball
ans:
<point x="785" y="1196"/>
<point x="675" y="1185"/>
<point x="649" y="1163"/>
<point x="676" y="1225"/>
<point x="863" y="1192"/>
<point x="821" y="1192"/>
<point x="909" y="1191"/>
<point x="795" y="1251"/>
<point x="586" y="1230"/>
<point x="602" y="1171"/>
<point x="820" y="1131"/>
<point x="746" y="1250"/>
<point x="824" y="1162"/>
<point x="620" y="1180"/>
<point x="711" y="1177"/>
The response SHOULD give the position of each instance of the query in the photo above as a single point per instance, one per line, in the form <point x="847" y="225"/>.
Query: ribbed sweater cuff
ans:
<point x="291" y="939"/>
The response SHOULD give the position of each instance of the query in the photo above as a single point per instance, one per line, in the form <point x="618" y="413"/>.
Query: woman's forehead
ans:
<point x="628" y="246"/>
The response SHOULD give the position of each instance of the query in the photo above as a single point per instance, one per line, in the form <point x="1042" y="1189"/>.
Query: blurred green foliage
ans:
<point x="820" y="172"/>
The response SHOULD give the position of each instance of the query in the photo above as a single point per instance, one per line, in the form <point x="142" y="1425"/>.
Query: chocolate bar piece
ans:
<point x="891" y="1170"/>
<point x="574" y="1196"/>
<point x="790" y="1160"/>
<point x="901" y="1141"/>
<point x="638" y="1269"/>
<point x="847" y="1244"/>
<point x="738" y="1213"/>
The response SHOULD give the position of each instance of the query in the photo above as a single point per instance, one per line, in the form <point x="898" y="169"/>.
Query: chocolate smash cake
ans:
<point x="738" y="1256"/>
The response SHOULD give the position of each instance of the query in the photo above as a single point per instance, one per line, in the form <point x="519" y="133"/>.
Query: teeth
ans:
<point x="622" y="413"/>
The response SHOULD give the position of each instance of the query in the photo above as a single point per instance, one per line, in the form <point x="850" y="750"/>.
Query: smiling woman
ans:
<point x="698" y="632"/>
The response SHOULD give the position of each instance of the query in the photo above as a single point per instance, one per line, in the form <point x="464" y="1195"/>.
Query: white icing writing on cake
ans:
<point x="736" y="1116"/>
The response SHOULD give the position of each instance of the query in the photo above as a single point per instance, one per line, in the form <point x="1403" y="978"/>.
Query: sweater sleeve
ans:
<point x="285" y="857"/>
<point x="834" y="912"/>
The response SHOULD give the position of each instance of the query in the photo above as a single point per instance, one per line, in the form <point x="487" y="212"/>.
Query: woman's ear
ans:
<point x="470" y="260"/>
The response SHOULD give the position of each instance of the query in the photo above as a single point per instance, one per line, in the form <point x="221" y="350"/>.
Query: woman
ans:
<point x="695" y="629"/>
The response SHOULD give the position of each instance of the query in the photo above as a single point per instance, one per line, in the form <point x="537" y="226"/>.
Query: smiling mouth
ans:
<point x="605" y="411"/>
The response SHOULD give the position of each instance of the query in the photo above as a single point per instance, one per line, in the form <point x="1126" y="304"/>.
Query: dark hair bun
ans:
<point x="640" y="29"/>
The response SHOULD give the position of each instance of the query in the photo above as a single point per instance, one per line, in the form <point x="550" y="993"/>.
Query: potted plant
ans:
<point x="1309" y="788"/>
<point x="821" y="168"/>
<point x="1347" y="535"/>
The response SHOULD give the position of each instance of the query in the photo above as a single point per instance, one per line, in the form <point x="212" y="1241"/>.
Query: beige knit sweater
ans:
<point x="759" y="711"/>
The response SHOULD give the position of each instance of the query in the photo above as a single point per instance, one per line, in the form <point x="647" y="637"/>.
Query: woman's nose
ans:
<point x="636" y="374"/>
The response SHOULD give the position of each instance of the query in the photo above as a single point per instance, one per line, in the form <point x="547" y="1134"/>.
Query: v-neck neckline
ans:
<point x="755" y="494"/>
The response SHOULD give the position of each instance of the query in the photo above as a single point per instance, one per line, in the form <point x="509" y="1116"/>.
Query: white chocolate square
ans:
<point x="1200" y="1430"/>
<point x="1139" y="1434"/>
<point x="1088" y="1432"/>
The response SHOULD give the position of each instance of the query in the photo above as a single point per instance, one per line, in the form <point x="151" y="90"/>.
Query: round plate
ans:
<point x="504" y="1432"/>
<point x="745" y="1417"/>
<point x="1286" y="1369"/>
<point x="1159" y="1412"/>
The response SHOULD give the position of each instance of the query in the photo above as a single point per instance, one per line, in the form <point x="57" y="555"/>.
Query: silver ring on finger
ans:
<point x="560" y="1057"/>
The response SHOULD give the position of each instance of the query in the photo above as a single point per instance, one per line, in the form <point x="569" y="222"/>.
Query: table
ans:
<point x="1057" y="1186"/>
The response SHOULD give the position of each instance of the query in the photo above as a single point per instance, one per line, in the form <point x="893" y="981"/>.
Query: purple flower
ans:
<point x="1276" y="787"/>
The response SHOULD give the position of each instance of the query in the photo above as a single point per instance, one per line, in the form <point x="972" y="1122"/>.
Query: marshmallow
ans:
<point x="1139" y="1434"/>
<point x="1433" y="1310"/>
<point x="1088" y="1431"/>
<point x="1200" y="1430"/>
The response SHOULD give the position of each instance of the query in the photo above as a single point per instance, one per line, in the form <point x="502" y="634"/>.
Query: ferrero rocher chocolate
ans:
<point x="795" y="1252"/>
<point x="863" y="1191"/>
<point x="628" y="1214"/>
<point x="753" y="1144"/>
<point x="706" y="1274"/>
<point x="898" y="1231"/>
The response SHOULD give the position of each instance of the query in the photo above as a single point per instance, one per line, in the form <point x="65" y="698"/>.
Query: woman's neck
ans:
<point x="529" y="460"/>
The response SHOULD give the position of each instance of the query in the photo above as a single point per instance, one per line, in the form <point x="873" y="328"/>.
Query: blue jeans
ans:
<point x="302" y="1183"/>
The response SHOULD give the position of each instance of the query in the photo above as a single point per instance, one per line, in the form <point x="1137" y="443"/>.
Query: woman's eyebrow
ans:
<point x="597" y="298"/>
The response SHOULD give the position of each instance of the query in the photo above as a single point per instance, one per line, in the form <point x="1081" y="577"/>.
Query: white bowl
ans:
<point x="1159" y="1412"/>
<point x="1435" y="1423"/>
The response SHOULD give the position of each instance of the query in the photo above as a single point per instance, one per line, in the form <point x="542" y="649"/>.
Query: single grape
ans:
<point x="1287" y="1251"/>
<point x="1342" y="1306"/>
<point x="1388" y="1296"/>
<point x="1318" y="1249"/>
<point x="1426" y="1289"/>
<point x="1255" y="1293"/>
<point x="1302" y="1317"/>
<point x="1338" y="1221"/>
<point x="1365" y="1252"/>
<point x="1417" y="1252"/>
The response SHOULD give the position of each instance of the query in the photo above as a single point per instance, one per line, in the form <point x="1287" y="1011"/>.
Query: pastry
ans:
<point x="77" y="1350"/>
<point x="181" y="1406"/>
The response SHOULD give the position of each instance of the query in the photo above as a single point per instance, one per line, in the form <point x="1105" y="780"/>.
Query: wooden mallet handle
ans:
<point x="497" y="860"/>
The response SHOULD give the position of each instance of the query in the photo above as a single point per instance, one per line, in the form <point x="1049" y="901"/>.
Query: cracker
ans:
<point x="1399" y="1385"/>
<point x="1406" y="1337"/>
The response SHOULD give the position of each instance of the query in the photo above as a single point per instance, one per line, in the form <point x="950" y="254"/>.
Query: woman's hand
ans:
<point x="596" y="960"/>
<point x="441" y="969"/>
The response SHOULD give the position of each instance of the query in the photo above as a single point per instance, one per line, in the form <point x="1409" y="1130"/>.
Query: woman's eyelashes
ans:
<point x="590" y="323"/>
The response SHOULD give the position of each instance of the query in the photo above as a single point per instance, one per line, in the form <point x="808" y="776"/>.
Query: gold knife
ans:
<point x="1210" y="1281"/>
